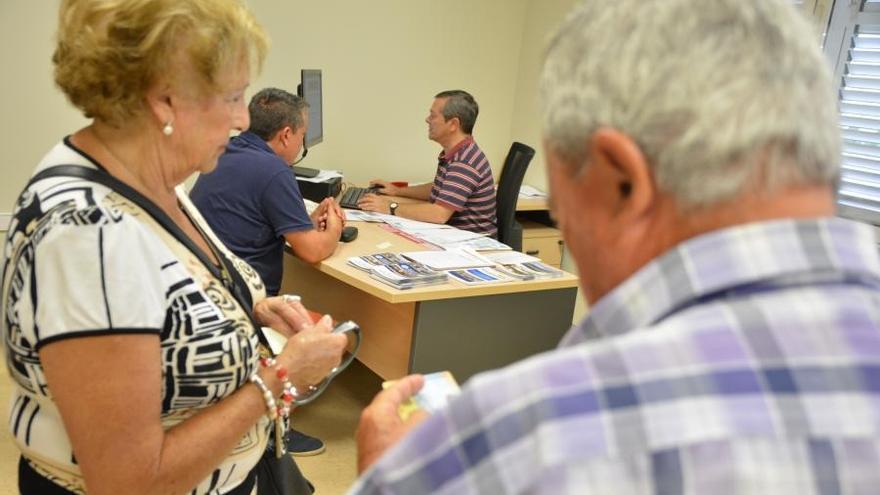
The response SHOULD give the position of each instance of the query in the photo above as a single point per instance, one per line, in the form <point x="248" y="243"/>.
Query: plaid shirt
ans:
<point x="742" y="361"/>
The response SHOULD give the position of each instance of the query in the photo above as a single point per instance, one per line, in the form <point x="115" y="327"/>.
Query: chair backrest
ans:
<point x="515" y="165"/>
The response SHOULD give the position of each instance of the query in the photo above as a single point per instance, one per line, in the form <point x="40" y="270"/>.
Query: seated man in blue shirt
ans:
<point x="253" y="202"/>
<point x="733" y="340"/>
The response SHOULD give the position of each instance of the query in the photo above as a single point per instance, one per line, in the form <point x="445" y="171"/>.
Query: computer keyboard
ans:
<point x="351" y="196"/>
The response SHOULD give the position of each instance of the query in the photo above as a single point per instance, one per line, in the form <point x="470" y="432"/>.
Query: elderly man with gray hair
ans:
<point x="733" y="342"/>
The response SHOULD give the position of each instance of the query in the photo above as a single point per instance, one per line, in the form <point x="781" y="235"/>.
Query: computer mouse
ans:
<point x="348" y="234"/>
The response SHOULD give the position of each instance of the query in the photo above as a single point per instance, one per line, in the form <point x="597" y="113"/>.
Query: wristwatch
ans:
<point x="393" y="207"/>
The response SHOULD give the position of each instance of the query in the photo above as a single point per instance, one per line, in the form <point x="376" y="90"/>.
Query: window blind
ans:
<point x="852" y="46"/>
<point x="859" y="194"/>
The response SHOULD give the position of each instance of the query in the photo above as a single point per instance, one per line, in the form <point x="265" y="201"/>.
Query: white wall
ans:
<point x="542" y="19"/>
<point x="35" y="115"/>
<point x="383" y="61"/>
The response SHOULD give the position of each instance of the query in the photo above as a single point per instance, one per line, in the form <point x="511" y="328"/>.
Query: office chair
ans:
<point x="507" y="193"/>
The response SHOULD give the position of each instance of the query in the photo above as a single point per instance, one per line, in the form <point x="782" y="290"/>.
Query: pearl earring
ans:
<point x="168" y="129"/>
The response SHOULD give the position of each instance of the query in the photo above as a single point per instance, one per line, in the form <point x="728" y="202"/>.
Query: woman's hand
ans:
<point x="285" y="314"/>
<point x="311" y="354"/>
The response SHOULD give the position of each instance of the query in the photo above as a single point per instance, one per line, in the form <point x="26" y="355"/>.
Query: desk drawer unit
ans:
<point x="542" y="241"/>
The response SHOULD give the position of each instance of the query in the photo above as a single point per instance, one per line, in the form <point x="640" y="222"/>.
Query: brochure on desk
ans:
<point x="397" y="271"/>
<point x="522" y="266"/>
<point x="422" y="268"/>
<point x="529" y="270"/>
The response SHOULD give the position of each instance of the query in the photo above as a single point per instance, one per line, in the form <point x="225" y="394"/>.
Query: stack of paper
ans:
<point x="515" y="272"/>
<point x="522" y="266"/>
<point x="540" y="269"/>
<point x="478" y="276"/>
<point x="445" y="238"/>
<point x="480" y="244"/>
<point x="397" y="271"/>
<point x="448" y="260"/>
<point x="509" y="257"/>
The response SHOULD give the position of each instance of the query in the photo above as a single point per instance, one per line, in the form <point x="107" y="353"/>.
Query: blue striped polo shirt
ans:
<point x="465" y="184"/>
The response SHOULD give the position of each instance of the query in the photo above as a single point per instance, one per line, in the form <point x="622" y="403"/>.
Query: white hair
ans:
<point x="715" y="93"/>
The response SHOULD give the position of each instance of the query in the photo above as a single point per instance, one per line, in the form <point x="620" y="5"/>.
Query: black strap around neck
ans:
<point x="100" y="176"/>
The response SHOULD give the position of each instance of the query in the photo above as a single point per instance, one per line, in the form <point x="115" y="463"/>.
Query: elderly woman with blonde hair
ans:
<point x="131" y="334"/>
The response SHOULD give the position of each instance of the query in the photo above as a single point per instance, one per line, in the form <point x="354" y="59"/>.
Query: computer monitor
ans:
<point x="310" y="90"/>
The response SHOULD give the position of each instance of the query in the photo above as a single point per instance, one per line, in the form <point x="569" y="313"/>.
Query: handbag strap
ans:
<point x="100" y="176"/>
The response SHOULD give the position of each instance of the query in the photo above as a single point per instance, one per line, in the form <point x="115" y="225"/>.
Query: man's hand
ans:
<point x="333" y="223"/>
<point x="319" y="216"/>
<point x="334" y="206"/>
<point x="381" y="427"/>
<point x="374" y="202"/>
<point x="387" y="188"/>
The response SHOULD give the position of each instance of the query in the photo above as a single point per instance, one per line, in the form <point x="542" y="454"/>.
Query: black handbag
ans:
<point x="280" y="475"/>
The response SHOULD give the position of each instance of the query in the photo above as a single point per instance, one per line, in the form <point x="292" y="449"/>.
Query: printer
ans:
<point x="317" y="191"/>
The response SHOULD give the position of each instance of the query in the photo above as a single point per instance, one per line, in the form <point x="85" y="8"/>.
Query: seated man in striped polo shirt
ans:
<point x="463" y="191"/>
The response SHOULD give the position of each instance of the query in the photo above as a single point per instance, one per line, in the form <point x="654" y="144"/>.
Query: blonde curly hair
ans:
<point x="110" y="52"/>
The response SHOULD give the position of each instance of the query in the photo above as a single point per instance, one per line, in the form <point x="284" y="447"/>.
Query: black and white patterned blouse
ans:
<point x="82" y="260"/>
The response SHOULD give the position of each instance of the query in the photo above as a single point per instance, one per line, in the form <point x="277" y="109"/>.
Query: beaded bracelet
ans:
<point x="289" y="391"/>
<point x="271" y="408"/>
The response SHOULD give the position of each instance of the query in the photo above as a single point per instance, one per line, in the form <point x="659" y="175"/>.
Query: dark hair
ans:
<point x="462" y="105"/>
<point x="271" y="109"/>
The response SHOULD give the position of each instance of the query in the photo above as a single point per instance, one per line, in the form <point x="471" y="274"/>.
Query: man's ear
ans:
<point x="287" y="135"/>
<point x="632" y="179"/>
<point x="455" y="121"/>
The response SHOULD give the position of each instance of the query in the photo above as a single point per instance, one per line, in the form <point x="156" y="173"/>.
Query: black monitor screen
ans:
<point x="310" y="90"/>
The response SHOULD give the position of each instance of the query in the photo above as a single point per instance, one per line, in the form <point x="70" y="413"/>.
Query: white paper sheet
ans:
<point x="322" y="176"/>
<point x="364" y="216"/>
<point x="480" y="244"/>
<point x="409" y="226"/>
<point x="528" y="191"/>
<point x="510" y="257"/>
<point x="449" y="259"/>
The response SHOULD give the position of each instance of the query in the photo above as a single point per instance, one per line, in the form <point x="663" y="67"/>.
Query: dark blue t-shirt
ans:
<point x="251" y="200"/>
